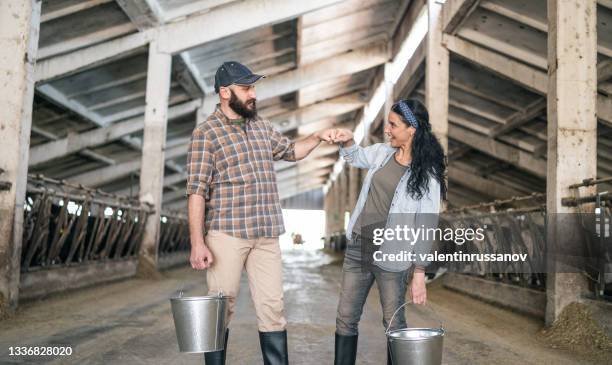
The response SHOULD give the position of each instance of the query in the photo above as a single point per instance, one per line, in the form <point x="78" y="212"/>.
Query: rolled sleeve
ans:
<point x="362" y="157"/>
<point x="200" y="164"/>
<point x="347" y="151"/>
<point x="283" y="148"/>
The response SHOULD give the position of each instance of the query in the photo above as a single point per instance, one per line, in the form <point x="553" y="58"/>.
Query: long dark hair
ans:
<point x="427" y="153"/>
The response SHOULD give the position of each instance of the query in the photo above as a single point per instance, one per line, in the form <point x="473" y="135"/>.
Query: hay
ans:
<point x="5" y="310"/>
<point x="147" y="270"/>
<point x="577" y="331"/>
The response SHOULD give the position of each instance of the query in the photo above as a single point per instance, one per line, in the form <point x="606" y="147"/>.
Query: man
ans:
<point x="232" y="190"/>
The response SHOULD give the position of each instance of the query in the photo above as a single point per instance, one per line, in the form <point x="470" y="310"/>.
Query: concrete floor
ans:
<point x="130" y="322"/>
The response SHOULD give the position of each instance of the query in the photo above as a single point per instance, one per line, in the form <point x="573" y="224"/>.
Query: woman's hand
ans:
<point x="333" y="135"/>
<point x="418" y="291"/>
<point x="343" y="136"/>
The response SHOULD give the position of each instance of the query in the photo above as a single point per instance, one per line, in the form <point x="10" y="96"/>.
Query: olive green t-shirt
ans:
<point x="380" y="196"/>
<point x="239" y="122"/>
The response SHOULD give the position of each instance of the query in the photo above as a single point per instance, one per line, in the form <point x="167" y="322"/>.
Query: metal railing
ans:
<point x="512" y="231"/>
<point x="174" y="233"/>
<point x="512" y="228"/>
<point x="595" y="210"/>
<point x="67" y="224"/>
<point x="336" y="241"/>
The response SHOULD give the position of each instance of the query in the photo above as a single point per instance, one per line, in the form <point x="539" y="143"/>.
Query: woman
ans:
<point x="405" y="176"/>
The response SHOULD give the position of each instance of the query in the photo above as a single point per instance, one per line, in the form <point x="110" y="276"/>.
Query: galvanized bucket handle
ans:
<point x="219" y="292"/>
<point x="402" y="306"/>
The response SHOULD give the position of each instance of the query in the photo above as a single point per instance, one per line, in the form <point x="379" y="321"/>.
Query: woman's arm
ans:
<point x="431" y="201"/>
<point x="428" y="218"/>
<point x="418" y="290"/>
<point x="353" y="154"/>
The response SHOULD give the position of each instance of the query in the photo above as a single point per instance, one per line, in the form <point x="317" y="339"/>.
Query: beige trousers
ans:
<point x="261" y="258"/>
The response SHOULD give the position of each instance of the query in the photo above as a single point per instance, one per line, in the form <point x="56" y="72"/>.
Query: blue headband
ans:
<point x="407" y="114"/>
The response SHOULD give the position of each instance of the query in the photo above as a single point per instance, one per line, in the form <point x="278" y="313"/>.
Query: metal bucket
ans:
<point x="415" y="346"/>
<point x="200" y="322"/>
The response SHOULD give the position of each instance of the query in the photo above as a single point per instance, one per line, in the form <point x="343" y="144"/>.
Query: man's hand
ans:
<point x="418" y="292"/>
<point x="304" y="146"/>
<point x="334" y="135"/>
<point x="201" y="257"/>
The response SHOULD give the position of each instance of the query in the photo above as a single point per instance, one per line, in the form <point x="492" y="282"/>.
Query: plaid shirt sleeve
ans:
<point x="200" y="164"/>
<point x="283" y="148"/>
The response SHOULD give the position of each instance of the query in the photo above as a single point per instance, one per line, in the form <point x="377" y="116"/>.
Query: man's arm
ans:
<point x="200" y="164"/>
<point x="200" y="257"/>
<point x="304" y="146"/>
<point x="285" y="149"/>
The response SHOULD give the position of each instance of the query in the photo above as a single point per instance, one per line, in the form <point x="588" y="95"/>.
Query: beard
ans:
<point x="247" y="109"/>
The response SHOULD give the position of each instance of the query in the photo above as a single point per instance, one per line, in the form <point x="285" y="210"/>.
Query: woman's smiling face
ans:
<point x="398" y="132"/>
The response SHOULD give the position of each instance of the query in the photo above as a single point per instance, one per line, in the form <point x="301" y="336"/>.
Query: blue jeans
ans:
<point x="357" y="279"/>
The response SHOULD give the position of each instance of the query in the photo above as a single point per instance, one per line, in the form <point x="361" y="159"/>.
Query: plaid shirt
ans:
<point x="232" y="167"/>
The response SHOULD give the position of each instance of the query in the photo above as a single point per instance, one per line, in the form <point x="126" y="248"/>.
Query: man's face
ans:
<point x="243" y="100"/>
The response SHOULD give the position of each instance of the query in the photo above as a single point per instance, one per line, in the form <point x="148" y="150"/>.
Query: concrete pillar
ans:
<point x="334" y="208"/>
<point x="436" y="75"/>
<point x="201" y="115"/>
<point x="19" y="25"/>
<point x="152" y="167"/>
<point x="572" y="132"/>
<point x="328" y="212"/>
<point x="326" y="209"/>
<point x="338" y="214"/>
<point x="340" y="183"/>
<point x="389" y="87"/>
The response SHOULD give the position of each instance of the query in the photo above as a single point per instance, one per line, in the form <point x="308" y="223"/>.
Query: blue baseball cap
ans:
<point x="232" y="72"/>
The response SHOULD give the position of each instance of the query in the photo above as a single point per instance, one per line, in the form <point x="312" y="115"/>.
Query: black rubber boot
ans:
<point x="217" y="357"/>
<point x="274" y="347"/>
<point x="345" y="352"/>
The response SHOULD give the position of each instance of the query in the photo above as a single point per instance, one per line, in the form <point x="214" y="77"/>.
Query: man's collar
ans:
<point x="219" y="114"/>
